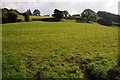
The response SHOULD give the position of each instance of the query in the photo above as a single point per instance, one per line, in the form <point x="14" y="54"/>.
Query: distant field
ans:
<point x="33" y="17"/>
<point x="57" y="49"/>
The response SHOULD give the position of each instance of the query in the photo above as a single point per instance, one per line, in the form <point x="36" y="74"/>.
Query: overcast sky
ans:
<point x="72" y="6"/>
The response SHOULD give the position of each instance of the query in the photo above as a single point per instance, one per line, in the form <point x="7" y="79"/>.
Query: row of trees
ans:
<point x="11" y="15"/>
<point x="107" y="18"/>
<point x="36" y="12"/>
<point x="87" y="15"/>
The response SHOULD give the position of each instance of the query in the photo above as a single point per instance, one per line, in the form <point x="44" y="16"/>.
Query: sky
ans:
<point x="47" y="7"/>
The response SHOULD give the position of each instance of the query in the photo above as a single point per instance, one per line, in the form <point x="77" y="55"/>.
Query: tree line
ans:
<point x="88" y="15"/>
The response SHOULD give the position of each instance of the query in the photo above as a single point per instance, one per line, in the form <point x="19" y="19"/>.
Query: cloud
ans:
<point x="59" y="0"/>
<point x="73" y="7"/>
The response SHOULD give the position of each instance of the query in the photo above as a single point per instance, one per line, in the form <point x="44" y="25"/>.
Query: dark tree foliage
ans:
<point x="4" y="15"/>
<point x="76" y="15"/>
<point x="29" y="12"/>
<point x="36" y="12"/>
<point x="104" y="21"/>
<point x="26" y="16"/>
<point x="89" y="15"/>
<point x="9" y="15"/>
<point x="12" y="16"/>
<point x="109" y="16"/>
<point x="14" y="10"/>
<point x="65" y="13"/>
<point x="58" y="15"/>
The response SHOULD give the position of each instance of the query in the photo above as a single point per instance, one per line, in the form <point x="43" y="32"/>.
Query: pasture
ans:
<point x="57" y="49"/>
<point x="33" y="17"/>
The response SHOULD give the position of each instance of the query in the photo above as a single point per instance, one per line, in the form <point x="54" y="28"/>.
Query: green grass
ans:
<point x="57" y="49"/>
<point x="33" y="17"/>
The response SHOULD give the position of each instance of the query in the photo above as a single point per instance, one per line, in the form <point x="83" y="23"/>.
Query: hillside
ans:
<point x="58" y="49"/>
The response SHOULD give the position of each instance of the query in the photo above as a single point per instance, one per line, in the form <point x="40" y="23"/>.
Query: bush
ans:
<point x="105" y="22"/>
<point x="19" y="20"/>
<point x="80" y="20"/>
<point x="49" y="19"/>
<point x="45" y="19"/>
<point x="26" y="16"/>
<point x="9" y="15"/>
<point x="12" y="16"/>
<point x="37" y="19"/>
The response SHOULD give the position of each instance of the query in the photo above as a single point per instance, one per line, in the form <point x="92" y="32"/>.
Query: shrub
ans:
<point x="45" y="19"/>
<point x="9" y="16"/>
<point x="37" y="19"/>
<point x="19" y="20"/>
<point x="12" y="16"/>
<point x="26" y="16"/>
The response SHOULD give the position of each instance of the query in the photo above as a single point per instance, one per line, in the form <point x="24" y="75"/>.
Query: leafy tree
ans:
<point x="58" y="15"/>
<point x="14" y="10"/>
<point x="89" y="15"/>
<point x="12" y="16"/>
<point x="109" y="16"/>
<point x="26" y="16"/>
<point x="29" y="12"/>
<point x="9" y="15"/>
<point x="36" y="12"/>
<point x="65" y="13"/>
<point x="104" y="21"/>
<point x="4" y="15"/>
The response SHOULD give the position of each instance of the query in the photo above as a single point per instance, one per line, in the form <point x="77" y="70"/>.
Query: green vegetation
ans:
<point x="89" y="15"/>
<point x="59" y="50"/>
<point x="33" y="17"/>
<point x="26" y="17"/>
<point x="58" y="15"/>
<point x="9" y="16"/>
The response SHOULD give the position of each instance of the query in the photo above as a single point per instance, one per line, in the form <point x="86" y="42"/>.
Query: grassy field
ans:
<point x="58" y="49"/>
<point x="33" y="17"/>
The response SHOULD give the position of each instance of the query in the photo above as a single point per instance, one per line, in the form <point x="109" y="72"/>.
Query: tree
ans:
<point x="9" y="15"/>
<point x="65" y="13"/>
<point x="4" y="15"/>
<point x="36" y="12"/>
<point x="26" y="16"/>
<point x="14" y="10"/>
<point x="58" y="15"/>
<point x="12" y="16"/>
<point x="29" y="12"/>
<point x="109" y="16"/>
<point x="104" y="21"/>
<point x="89" y="15"/>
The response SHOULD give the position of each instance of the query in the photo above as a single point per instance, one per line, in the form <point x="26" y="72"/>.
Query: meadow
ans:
<point x="58" y="49"/>
<point x="33" y="17"/>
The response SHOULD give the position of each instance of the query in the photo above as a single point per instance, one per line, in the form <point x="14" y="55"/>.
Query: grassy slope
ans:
<point x="33" y="17"/>
<point x="56" y="48"/>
